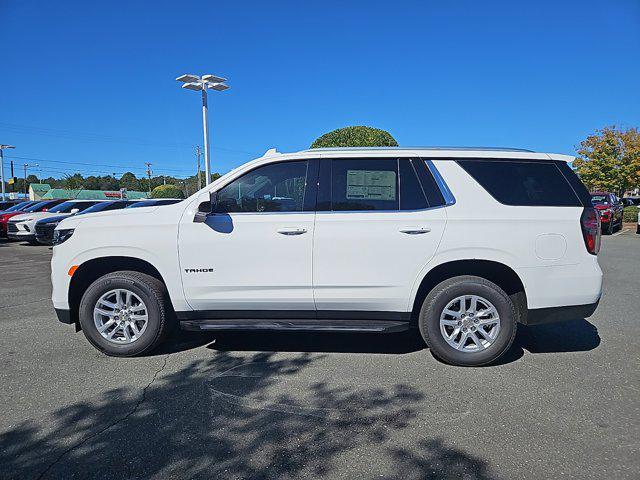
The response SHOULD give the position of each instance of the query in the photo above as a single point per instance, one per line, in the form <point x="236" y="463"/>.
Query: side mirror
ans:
<point x="74" y="211"/>
<point x="206" y="208"/>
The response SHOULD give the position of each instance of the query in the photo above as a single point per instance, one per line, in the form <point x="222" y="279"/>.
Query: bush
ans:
<point x="630" y="215"/>
<point x="357" y="136"/>
<point x="167" y="191"/>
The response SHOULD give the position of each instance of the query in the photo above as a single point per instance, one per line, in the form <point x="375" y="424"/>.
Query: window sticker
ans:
<point x="371" y="185"/>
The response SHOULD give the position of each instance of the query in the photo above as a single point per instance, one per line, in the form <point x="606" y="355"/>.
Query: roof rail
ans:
<point x="464" y="149"/>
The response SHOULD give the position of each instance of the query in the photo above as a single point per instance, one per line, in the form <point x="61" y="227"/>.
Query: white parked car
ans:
<point x="22" y="227"/>
<point x="458" y="245"/>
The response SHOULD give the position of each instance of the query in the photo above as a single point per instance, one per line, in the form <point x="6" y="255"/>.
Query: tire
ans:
<point x="608" y="230"/>
<point x="148" y="290"/>
<point x="448" y="291"/>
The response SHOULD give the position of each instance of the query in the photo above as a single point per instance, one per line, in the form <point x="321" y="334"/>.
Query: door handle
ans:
<point x="292" y="230"/>
<point x="414" y="230"/>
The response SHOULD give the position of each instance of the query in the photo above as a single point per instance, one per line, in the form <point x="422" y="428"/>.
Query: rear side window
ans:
<point x="363" y="184"/>
<point x="411" y="194"/>
<point x="522" y="183"/>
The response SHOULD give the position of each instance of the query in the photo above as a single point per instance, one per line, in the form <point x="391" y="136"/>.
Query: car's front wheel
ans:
<point x="468" y="320"/>
<point x="124" y="314"/>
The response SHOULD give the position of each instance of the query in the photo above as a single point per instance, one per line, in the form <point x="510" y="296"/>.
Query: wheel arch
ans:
<point x="90" y="270"/>
<point x="497" y="272"/>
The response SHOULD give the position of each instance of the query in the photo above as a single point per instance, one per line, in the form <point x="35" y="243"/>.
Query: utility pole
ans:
<point x="26" y="165"/>
<point x="199" y="173"/>
<point x="2" y="179"/>
<point x="149" y="174"/>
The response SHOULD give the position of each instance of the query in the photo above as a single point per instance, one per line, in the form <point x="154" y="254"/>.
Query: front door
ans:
<point x="254" y="253"/>
<point x="379" y="222"/>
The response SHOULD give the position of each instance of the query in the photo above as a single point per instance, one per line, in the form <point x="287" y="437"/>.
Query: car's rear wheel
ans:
<point x="468" y="321"/>
<point x="124" y="314"/>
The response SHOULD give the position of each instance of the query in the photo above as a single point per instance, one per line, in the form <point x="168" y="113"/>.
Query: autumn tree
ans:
<point x="609" y="160"/>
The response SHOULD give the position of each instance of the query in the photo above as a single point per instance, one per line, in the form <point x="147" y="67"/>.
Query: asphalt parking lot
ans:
<point x="565" y="403"/>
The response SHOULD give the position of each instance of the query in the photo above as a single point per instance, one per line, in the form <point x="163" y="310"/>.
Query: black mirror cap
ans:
<point x="206" y="208"/>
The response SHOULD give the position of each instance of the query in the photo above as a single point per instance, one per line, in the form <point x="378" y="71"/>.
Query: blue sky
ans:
<point x="89" y="86"/>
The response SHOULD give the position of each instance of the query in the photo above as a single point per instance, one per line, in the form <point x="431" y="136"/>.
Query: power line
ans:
<point x="96" y="137"/>
<point x="123" y="167"/>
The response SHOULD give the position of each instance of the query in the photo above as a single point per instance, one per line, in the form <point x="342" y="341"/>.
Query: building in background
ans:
<point x="43" y="191"/>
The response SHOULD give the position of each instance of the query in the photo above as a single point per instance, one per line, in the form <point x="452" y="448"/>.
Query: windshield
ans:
<point x="66" y="207"/>
<point x="154" y="203"/>
<point x="18" y="206"/>
<point x="37" y="207"/>
<point x="98" y="207"/>
<point x="599" y="199"/>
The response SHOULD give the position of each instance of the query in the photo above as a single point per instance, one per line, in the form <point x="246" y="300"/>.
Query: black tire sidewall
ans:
<point x="437" y="300"/>
<point x="100" y="287"/>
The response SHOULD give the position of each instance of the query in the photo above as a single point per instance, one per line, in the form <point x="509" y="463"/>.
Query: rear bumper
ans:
<point x="538" y="316"/>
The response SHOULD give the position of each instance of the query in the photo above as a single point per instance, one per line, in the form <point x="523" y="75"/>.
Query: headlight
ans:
<point x="24" y="220"/>
<point x="61" y="236"/>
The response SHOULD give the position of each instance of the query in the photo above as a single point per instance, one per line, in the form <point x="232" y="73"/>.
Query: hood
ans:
<point x="33" y="216"/>
<point x="53" y="219"/>
<point x="74" y="220"/>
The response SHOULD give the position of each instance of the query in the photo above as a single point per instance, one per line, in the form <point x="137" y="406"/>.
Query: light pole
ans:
<point x="2" y="147"/>
<point x="195" y="82"/>
<point x="26" y="165"/>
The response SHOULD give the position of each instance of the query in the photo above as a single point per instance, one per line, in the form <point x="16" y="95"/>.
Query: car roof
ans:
<point x="430" y="152"/>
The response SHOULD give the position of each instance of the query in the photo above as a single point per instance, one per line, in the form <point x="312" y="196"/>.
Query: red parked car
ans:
<point x="610" y="208"/>
<point x="42" y="206"/>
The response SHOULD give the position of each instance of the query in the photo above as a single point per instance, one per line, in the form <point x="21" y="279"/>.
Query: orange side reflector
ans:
<point x="72" y="270"/>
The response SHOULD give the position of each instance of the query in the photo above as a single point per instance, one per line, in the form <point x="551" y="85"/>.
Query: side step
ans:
<point x="311" y="325"/>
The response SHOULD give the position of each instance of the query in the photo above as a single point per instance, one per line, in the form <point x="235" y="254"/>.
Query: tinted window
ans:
<point x="429" y="184"/>
<point x="411" y="194"/>
<point x="19" y="206"/>
<point x="523" y="183"/>
<point x="575" y="182"/>
<point x="278" y="187"/>
<point x="66" y="207"/>
<point x="38" y="207"/>
<point x="364" y="184"/>
<point x="103" y="206"/>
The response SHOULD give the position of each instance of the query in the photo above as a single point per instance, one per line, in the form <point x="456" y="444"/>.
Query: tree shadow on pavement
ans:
<point x="570" y="336"/>
<point x="229" y="416"/>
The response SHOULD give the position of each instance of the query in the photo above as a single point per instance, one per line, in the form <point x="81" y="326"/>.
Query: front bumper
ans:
<point x="539" y="316"/>
<point x="44" y="233"/>
<point x="21" y="236"/>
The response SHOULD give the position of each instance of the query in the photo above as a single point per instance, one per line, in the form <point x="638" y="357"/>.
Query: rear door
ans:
<point x="377" y="226"/>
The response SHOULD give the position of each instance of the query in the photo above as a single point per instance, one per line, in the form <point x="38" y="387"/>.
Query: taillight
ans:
<point x="590" y="224"/>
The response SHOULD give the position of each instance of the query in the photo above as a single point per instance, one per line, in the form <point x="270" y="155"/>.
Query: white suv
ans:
<point x="457" y="244"/>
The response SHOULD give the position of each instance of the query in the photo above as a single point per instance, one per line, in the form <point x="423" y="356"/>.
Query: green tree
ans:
<point x="129" y="181"/>
<point x="167" y="191"/>
<point x="609" y="160"/>
<point x="74" y="181"/>
<point x="357" y="136"/>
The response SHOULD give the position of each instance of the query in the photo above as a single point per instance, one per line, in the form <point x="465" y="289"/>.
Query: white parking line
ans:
<point x="620" y="232"/>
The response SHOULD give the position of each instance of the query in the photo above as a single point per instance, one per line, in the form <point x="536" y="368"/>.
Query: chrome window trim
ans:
<point x="449" y="199"/>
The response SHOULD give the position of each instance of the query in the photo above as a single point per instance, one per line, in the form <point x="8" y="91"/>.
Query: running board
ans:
<point x="311" y="325"/>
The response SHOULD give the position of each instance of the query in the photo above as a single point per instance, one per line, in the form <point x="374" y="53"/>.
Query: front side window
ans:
<point x="278" y="187"/>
